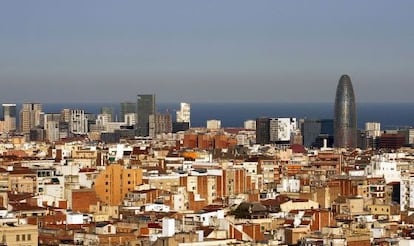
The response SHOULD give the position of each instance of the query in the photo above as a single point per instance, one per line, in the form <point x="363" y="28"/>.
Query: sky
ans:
<point x="205" y="51"/>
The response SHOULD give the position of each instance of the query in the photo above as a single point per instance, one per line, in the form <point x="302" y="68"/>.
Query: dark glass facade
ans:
<point x="314" y="131"/>
<point x="262" y="131"/>
<point x="145" y="108"/>
<point x="345" y="119"/>
<point x="127" y="108"/>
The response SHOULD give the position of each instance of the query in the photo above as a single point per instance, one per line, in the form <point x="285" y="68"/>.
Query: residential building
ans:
<point x="19" y="235"/>
<point x="112" y="184"/>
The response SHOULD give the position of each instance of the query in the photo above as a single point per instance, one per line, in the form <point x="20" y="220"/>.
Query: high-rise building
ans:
<point x="30" y="116"/>
<point x="275" y="130"/>
<point x="213" y="124"/>
<point x="65" y="115"/>
<point x="159" y="123"/>
<point x="281" y="130"/>
<point x="183" y="115"/>
<point x="145" y="108"/>
<point x="108" y="111"/>
<point x="78" y="122"/>
<point x="262" y="131"/>
<point x="9" y="117"/>
<point x="345" y="119"/>
<point x="130" y="119"/>
<point x="127" y="108"/>
<point x="51" y="126"/>
<point x="315" y="131"/>
<point x="373" y="129"/>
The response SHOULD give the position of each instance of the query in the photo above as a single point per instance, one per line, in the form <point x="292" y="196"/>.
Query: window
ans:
<point x="17" y="238"/>
<point x="24" y="237"/>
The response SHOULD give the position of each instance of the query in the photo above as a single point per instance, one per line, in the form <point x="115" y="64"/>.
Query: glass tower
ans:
<point x="145" y="108"/>
<point x="345" y="119"/>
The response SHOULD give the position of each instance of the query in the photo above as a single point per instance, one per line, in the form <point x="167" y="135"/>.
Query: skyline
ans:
<point x="100" y="51"/>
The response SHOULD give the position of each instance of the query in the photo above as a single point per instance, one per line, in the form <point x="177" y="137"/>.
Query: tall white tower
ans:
<point x="183" y="115"/>
<point x="78" y="122"/>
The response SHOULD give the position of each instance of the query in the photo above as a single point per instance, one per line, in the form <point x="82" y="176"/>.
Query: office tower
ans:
<point x="127" y="108"/>
<point x="101" y="122"/>
<point x="30" y="116"/>
<point x="281" y="130"/>
<point x="183" y="115"/>
<point x="345" y="122"/>
<point x="159" y="123"/>
<point x="65" y="115"/>
<point x="370" y="135"/>
<point x="52" y="131"/>
<point x="130" y="119"/>
<point x="145" y="108"/>
<point x="51" y="126"/>
<point x="262" y="131"/>
<point x="78" y="122"/>
<point x="64" y="129"/>
<point x="314" y="132"/>
<point x="408" y="134"/>
<point x="108" y="111"/>
<point x="9" y="117"/>
<point x="373" y="129"/>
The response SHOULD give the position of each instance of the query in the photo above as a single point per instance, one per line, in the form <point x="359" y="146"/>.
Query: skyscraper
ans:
<point x="183" y="115"/>
<point x="145" y="108"/>
<point x="78" y="122"/>
<point x="262" y="131"/>
<point x="159" y="123"/>
<point x="127" y="108"/>
<point x="9" y="116"/>
<point x="30" y="116"/>
<point x="108" y="111"/>
<point x="314" y="131"/>
<point x="345" y="119"/>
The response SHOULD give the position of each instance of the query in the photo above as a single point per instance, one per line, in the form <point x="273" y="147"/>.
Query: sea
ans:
<point x="390" y="115"/>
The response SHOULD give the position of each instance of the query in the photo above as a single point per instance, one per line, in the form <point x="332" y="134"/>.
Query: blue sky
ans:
<point x="205" y="51"/>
